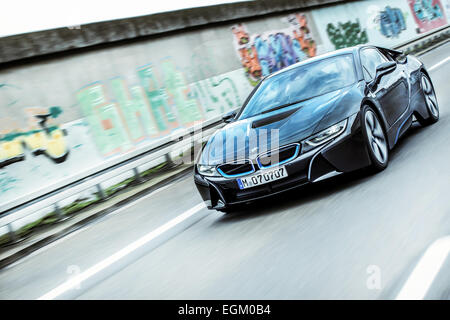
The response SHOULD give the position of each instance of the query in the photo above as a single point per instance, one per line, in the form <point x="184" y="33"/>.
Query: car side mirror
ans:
<point x="382" y="69"/>
<point x="402" y="58"/>
<point x="229" y="117"/>
<point x="386" y="67"/>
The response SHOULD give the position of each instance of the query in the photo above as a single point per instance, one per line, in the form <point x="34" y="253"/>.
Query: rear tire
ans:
<point x="375" y="139"/>
<point x="430" y="101"/>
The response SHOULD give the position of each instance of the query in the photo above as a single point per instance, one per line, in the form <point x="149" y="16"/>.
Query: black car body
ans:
<point x="336" y="122"/>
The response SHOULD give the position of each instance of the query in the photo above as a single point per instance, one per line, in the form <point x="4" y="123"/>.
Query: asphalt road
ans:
<point x="326" y="241"/>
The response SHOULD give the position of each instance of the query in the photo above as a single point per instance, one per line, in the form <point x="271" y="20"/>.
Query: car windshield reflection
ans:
<point x="301" y="83"/>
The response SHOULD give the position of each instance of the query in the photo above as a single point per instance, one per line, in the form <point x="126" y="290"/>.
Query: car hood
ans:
<point x="249" y="137"/>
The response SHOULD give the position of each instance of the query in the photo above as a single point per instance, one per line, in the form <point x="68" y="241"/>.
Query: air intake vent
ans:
<point x="279" y="156"/>
<point x="275" y="118"/>
<point x="231" y="170"/>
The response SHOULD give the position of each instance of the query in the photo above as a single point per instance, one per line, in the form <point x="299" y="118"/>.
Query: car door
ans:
<point x="392" y="91"/>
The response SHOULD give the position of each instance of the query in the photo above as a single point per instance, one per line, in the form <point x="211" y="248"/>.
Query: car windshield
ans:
<point x="301" y="83"/>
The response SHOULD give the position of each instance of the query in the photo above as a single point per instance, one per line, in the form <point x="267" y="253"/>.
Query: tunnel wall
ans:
<point x="63" y="114"/>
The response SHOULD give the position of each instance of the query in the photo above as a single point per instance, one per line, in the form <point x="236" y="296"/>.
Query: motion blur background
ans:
<point x="82" y="83"/>
<point x="116" y="86"/>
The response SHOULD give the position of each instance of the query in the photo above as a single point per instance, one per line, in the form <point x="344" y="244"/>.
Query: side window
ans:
<point x="370" y="59"/>
<point x="367" y="76"/>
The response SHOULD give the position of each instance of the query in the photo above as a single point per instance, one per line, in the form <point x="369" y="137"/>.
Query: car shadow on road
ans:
<point x="314" y="192"/>
<point x="296" y="197"/>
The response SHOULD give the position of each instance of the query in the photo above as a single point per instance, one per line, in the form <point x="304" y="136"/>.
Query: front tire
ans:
<point x="430" y="101"/>
<point x="375" y="139"/>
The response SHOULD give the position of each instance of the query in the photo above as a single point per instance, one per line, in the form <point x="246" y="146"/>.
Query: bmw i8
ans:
<point x="315" y="119"/>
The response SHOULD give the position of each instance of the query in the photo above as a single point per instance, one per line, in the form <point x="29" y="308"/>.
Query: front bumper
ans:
<point x="343" y="154"/>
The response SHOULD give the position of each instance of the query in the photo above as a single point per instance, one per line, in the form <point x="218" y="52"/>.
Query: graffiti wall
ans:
<point x="41" y="136"/>
<point x="264" y="53"/>
<point x="346" y="34"/>
<point x="428" y="14"/>
<point x="109" y="109"/>
<point x="379" y="22"/>
<point x="63" y="116"/>
<point x="45" y="167"/>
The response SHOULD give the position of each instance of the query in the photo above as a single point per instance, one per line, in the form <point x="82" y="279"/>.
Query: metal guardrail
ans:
<point x="31" y="203"/>
<point x="429" y="36"/>
<point x="129" y="156"/>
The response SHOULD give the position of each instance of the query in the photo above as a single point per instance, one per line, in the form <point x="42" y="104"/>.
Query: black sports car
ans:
<point x="328" y="115"/>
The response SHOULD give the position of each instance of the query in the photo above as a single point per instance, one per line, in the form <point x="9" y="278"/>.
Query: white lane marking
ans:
<point x="73" y="282"/>
<point x="439" y="64"/>
<point x="420" y="280"/>
<point x="84" y="228"/>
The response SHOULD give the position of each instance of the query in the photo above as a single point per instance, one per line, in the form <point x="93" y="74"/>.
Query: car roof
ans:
<point x="349" y="50"/>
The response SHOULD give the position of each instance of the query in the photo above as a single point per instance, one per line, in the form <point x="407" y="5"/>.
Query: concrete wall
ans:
<point x="87" y="35"/>
<point x="104" y="102"/>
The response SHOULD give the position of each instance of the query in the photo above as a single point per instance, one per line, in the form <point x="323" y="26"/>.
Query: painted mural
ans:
<point x="392" y="22"/>
<point x="218" y="94"/>
<point x="145" y="111"/>
<point x="118" y="117"/>
<point x="38" y="171"/>
<point x="42" y="136"/>
<point x="262" y="54"/>
<point x="428" y="14"/>
<point x="346" y="34"/>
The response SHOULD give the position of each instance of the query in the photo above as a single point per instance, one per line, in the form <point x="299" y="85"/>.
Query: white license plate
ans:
<point x="262" y="177"/>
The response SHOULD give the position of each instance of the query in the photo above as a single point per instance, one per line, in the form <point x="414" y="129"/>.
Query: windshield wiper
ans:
<point x="282" y="106"/>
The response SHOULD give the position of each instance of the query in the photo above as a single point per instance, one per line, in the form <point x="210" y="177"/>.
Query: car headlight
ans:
<point x="325" y="135"/>
<point x="206" y="170"/>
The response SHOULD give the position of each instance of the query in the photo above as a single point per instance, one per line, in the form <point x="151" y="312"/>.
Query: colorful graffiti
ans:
<point x="262" y="54"/>
<point x="42" y="137"/>
<point x="217" y="94"/>
<point x="346" y="34"/>
<point x="392" y="22"/>
<point x="6" y="182"/>
<point x="104" y="119"/>
<point x="116" y="115"/>
<point x="179" y="95"/>
<point x="428" y="14"/>
<point x="164" y="116"/>
<point x="150" y="109"/>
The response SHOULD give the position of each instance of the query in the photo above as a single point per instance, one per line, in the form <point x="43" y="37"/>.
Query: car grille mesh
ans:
<point x="266" y="160"/>
<point x="236" y="169"/>
<point x="277" y="157"/>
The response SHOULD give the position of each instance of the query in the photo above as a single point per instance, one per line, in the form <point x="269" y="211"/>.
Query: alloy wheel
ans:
<point x="376" y="138"/>
<point x="430" y="96"/>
